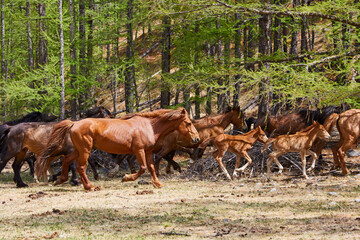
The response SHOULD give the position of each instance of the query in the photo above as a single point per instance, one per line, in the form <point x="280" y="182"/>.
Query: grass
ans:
<point x="183" y="209"/>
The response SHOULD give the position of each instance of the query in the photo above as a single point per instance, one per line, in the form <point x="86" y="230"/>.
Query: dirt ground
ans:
<point x="287" y="207"/>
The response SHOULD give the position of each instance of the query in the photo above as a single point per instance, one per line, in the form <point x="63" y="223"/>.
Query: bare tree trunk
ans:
<point x="73" y="101"/>
<point x="237" y="57"/>
<point x="165" y="62"/>
<point x="3" y="47"/>
<point x="90" y="44"/>
<point x="62" y="71"/>
<point x="294" y="38"/>
<point x="130" y="68"/>
<point x="82" y="50"/>
<point x="264" y="49"/>
<point x="28" y="30"/>
<point x="186" y="96"/>
<point x="43" y="53"/>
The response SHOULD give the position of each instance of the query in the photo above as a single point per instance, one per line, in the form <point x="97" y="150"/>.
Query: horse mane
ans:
<point x="33" y="117"/>
<point x="319" y="115"/>
<point x="308" y="128"/>
<point x="169" y="114"/>
<point x="93" y="111"/>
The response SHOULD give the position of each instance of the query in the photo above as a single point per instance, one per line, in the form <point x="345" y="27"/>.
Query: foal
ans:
<point x="238" y="144"/>
<point x="298" y="142"/>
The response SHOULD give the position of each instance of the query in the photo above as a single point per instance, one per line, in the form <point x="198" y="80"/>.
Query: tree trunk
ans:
<point x="3" y="47"/>
<point x="294" y="38"/>
<point x="264" y="49"/>
<point x="130" y="68"/>
<point x="73" y="101"/>
<point x="62" y="71"/>
<point x="237" y="57"/>
<point x="28" y="30"/>
<point x="82" y="50"/>
<point x="89" y="46"/>
<point x="43" y="52"/>
<point x="165" y="62"/>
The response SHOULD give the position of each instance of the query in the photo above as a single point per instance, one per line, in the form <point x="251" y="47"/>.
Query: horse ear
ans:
<point x="183" y="111"/>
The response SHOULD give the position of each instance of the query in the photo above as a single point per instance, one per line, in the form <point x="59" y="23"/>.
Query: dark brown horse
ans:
<point x="134" y="134"/>
<point x="348" y="125"/>
<point x="208" y="127"/>
<point x="294" y="122"/>
<point x="23" y="139"/>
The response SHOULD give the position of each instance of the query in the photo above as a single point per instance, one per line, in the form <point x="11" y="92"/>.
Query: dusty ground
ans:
<point x="288" y="207"/>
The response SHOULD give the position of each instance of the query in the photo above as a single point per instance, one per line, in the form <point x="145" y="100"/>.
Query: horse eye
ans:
<point x="188" y="124"/>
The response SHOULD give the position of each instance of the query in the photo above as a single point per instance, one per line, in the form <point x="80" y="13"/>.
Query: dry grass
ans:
<point x="250" y="208"/>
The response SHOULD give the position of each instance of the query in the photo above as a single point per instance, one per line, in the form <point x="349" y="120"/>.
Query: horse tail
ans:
<point x="267" y="144"/>
<point x="331" y="121"/>
<point x="4" y="130"/>
<point x="56" y="140"/>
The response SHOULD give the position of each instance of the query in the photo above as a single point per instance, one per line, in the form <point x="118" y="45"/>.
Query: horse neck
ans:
<point x="251" y="136"/>
<point x="313" y="134"/>
<point x="225" y="119"/>
<point x="162" y="127"/>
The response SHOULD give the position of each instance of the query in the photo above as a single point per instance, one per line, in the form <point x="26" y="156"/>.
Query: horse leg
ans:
<point x="219" y="160"/>
<point x="140" y="156"/>
<point x="92" y="163"/>
<point x="249" y="161"/>
<point x="273" y="157"/>
<point x="335" y="149"/>
<point x="17" y="164"/>
<point x="341" y="153"/>
<point x="237" y="165"/>
<point x="130" y="161"/>
<point x="73" y="180"/>
<point x="151" y="168"/>
<point x="314" y="156"/>
<point x="169" y="158"/>
<point x="303" y="161"/>
<point x="30" y="162"/>
<point x="66" y="161"/>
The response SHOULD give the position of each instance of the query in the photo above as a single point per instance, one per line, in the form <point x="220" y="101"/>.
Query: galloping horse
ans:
<point x="238" y="144"/>
<point x="23" y="138"/>
<point x="348" y="125"/>
<point x="134" y="134"/>
<point x="208" y="127"/>
<point x="298" y="142"/>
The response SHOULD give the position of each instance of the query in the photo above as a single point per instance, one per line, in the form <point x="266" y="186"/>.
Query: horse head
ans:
<point x="187" y="129"/>
<point x="322" y="133"/>
<point x="238" y="118"/>
<point x="261" y="135"/>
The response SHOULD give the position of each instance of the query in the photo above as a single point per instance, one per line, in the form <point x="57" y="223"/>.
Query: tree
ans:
<point x="62" y="70"/>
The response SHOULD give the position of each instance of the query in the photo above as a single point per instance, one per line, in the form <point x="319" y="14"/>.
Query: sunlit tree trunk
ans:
<point x="43" y="44"/>
<point x="28" y="31"/>
<point x="62" y="71"/>
<point x="130" y="68"/>
<point x="73" y="72"/>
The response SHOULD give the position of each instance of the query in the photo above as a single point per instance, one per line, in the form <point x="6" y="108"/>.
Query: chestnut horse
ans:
<point x="238" y="144"/>
<point x="134" y="134"/>
<point x="208" y="127"/>
<point x="348" y="125"/>
<point x="298" y="142"/>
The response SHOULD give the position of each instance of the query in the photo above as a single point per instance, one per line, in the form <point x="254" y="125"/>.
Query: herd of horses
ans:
<point x="160" y="133"/>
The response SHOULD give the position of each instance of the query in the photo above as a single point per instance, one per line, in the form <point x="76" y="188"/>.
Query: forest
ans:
<point x="63" y="57"/>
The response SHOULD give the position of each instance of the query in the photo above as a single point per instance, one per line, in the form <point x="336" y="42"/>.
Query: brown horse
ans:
<point x="238" y="144"/>
<point x="348" y="125"/>
<point x="298" y="142"/>
<point x="22" y="139"/>
<point x="207" y="127"/>
<point x="134" y="134"/>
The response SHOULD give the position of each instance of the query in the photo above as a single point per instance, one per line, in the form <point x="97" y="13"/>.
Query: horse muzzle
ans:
<point x="195" y="140"/>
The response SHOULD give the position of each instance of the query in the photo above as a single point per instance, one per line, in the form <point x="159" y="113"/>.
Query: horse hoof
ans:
<point x="97" y="188"/>
<point x="74" y="182"/>
<point x="22" y="185"/>
<point x="157" y="185"/>
<point x="57" y="182"/>
<point x="124" y="179"/>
